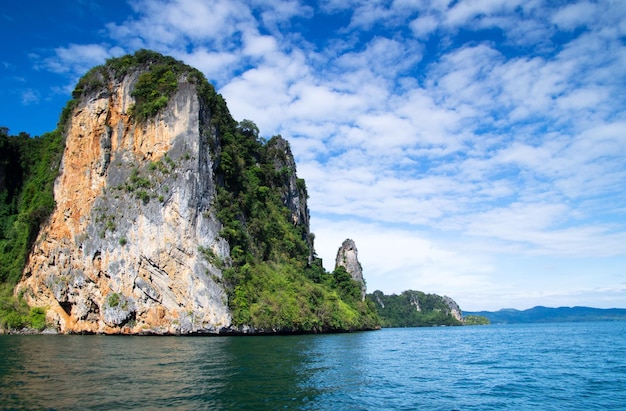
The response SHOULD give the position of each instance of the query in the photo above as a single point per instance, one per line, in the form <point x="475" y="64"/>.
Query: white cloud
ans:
<point x="464" y="11"/>
<point x="574" y="15"/>
<point x="215" y="65"/>
<point x="280" y="12"/>
<point x="30" y="96"/>
<point x="463" y="79"/>
<point x="583" y="99"/>
<point x="320" y="103"/>
<point x="423" y="26"/>
<point x="173" y="23"/>
<point x="78" y="58"/>
<point x="259" y="46"/>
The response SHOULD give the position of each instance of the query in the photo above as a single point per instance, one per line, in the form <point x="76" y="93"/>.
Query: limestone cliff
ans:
<point x="172" y="218"/>
<point x="455" y="310"/>
<point x="348" y="258"/>
<point x="121" y="251"/>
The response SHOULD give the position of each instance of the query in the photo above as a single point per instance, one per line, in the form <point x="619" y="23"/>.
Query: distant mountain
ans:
<point x="548" y="315"/>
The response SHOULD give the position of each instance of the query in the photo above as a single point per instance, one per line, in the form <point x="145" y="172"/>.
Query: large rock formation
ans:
<point x="172" y="218"/>
<point x="348" y="258"/>
<point x="133" y="245"/>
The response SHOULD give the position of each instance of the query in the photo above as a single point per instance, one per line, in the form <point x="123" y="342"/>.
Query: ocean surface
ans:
<point x="563" y="366"/>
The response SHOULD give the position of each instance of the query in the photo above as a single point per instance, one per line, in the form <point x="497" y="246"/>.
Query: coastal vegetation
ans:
<point x="412" y="309"/>
<point x="475" y="320"/>
<point x="28" y="168"/>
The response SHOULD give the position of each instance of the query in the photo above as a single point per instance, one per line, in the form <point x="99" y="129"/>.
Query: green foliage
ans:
<point x="113" y="300"/>
<point x="279" y="297"/>
<point x="315" y="271"/>
<point x="65" y="115"/>
<point x="475" y="320"/>
<point x="144" y="196"/>
<point x="348" y="289"/>
<point x="256" y="222"/>
<point x="137" y="181"/>
<point x="272" y="286"/>
<point x="37" y="318"/>
<point x="15" y="313"/>
<point x="144" y="185"/>
<point x="156" y="84"/>
<point x="95" y="79"/>
<point x="210" y="255"/>
<point x="153" y="90"/>
<point x="402" y="310"/>
<point x="31" y="166"/>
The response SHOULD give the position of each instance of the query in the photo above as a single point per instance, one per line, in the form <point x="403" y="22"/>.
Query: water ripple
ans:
<point x="547" y="366"/>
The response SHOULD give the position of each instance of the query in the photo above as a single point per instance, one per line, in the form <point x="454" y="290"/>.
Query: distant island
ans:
<point x="416" y="309"/>
<point x="542" y="314"/>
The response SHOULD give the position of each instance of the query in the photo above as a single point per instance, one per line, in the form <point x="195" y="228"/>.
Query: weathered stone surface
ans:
<point x="120" y="253"/>
<point x="348" y="257"/>
<point x="455" y="310"/>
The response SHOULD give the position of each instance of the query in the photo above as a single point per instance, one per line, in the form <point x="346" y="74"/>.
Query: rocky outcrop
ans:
<point x="293" y="189"/>
<point x="415" y="302"/>
<point x="348" y="258"/>
<point x="134" y="244"/>
<point x="455" y="310"/>
<point x="169" y="217"/>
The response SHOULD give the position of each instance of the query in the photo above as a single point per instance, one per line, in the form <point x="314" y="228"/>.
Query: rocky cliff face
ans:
<point x="348" y="258"/>
<point x="293" y="190"/>
<point x="133" y="245"/>
<point x="455" y="310"/>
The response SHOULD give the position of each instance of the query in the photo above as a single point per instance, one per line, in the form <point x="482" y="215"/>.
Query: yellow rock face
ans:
<point x="120" y="253"/>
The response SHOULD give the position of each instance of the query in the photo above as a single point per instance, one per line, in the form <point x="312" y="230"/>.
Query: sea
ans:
<point x="557" y="366"/>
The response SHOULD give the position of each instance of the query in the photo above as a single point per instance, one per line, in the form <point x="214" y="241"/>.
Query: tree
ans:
<point x="248" y="128"/>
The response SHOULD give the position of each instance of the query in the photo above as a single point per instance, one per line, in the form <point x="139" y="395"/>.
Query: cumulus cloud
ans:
<point x="78" y="58"/>
<point x="29" y="97"/>
<point x="424" y="25"/>
<point x="574" y="15"/>
<point x="472" y="11"/>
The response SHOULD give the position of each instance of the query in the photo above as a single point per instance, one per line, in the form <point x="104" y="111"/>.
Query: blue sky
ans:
<point x="472" y="148"/>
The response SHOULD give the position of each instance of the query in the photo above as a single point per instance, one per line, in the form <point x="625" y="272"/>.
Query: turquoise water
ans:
<point x="573" y="366"/>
